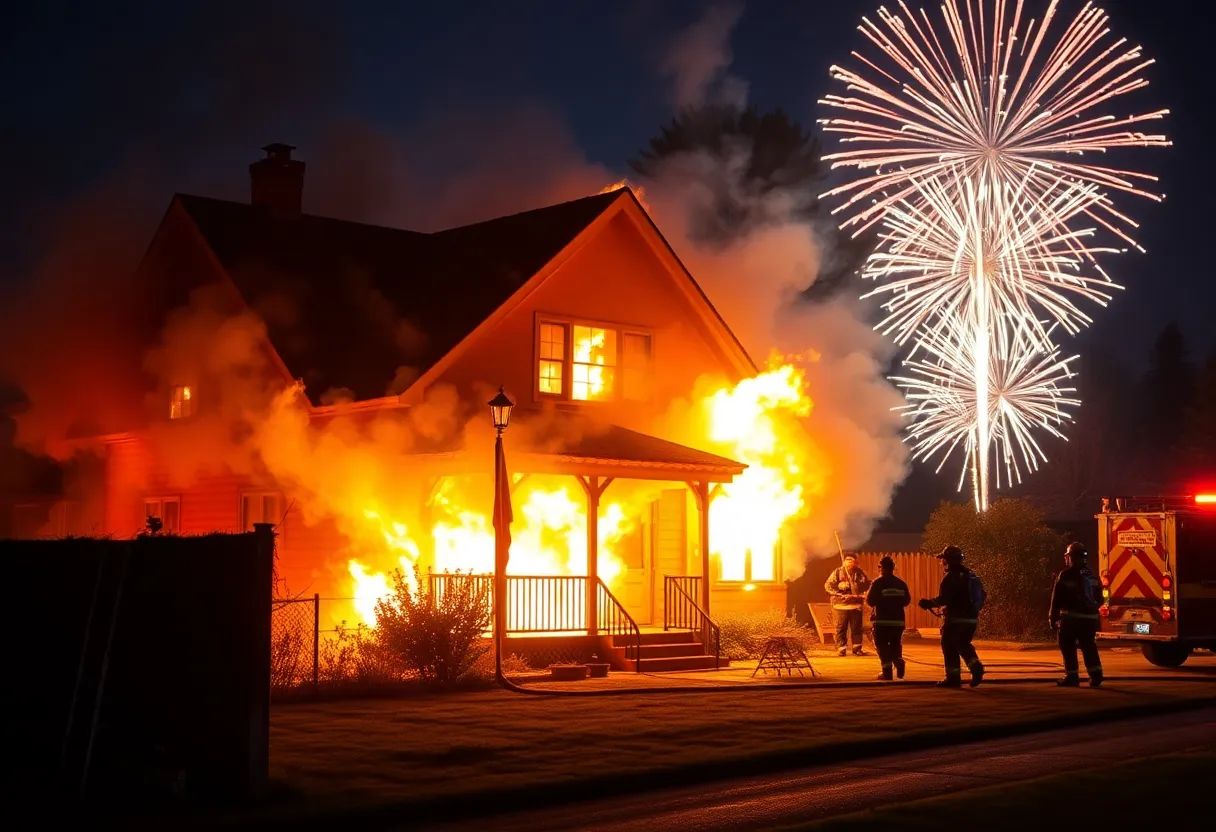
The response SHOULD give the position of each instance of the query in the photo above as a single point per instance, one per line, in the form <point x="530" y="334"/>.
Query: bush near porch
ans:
<point x="743" y="634"/>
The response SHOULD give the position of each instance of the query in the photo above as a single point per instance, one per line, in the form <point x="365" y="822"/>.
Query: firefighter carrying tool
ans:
<point x="887" y="598"/>
<point x="1074" y="616"/>
<point x="962" y="594"/>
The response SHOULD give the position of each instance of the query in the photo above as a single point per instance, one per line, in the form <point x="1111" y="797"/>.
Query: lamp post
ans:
<point x="500" y="413"/>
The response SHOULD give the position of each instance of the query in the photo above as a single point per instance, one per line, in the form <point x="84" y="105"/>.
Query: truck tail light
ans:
<point x="1167" y="581"/>
<point x="1105" y="578"/>
<point x="1167" y="614"/>
<point x="1104" y="610"/>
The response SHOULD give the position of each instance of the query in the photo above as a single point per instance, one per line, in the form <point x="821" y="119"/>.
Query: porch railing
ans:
<point x="535" y="603"/>
<point x="682" y="612"/>
<point x="615" y="620"/>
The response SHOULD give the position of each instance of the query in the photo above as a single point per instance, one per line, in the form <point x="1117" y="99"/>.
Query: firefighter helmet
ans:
<point x="1076" y="551"/>
<point x="951" y="555"/>
<point x="886" y="563"/>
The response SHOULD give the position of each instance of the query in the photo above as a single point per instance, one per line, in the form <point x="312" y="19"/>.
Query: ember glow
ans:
<point x="967" y="147"/>
<point x="759" y="421"/>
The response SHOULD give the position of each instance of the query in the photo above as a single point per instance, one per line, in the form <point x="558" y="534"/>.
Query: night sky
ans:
<point x="115" y="106"/>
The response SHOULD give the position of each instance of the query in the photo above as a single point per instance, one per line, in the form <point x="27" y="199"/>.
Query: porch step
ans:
<point x="655" y="637"/>
<point x="666" y="665"/>
<point x="666" y="651"/>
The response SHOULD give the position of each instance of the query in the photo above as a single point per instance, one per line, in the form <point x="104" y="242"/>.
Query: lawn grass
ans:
<point x="1168" y="790"/>
<point x="427" y="749"/>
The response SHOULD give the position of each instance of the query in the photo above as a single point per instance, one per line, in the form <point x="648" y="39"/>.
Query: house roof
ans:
<point x="575" y="443"/>
<point x="355" y="306"/>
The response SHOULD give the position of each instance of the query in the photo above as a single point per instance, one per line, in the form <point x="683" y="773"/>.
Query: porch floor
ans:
<point x="924" y="657"/>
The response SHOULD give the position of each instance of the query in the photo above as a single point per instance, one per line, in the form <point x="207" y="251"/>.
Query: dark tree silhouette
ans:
<point x="1168" y="391"/>
<point x="1197" y="446"/>
<point x="1096" y="460"/>
<point x="769" y="152"/>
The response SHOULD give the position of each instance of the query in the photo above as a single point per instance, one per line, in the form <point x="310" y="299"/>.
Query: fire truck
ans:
<point x="1157" y="563"/>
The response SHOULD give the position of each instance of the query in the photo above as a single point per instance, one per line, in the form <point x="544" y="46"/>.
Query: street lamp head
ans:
<point x="500" y="410"/>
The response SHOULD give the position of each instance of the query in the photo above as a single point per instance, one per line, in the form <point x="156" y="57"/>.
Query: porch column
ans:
<point x="594" y="487"/>
<point x="700" y="491"/>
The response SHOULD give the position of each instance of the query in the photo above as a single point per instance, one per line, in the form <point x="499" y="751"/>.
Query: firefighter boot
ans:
<point x="900" y="667"/>
<point x="1069" y="681"/>
<point x="858" y="651"/>
<point x="950" y="682"/>
<point x="977" y="674"/>
<point x="1095" y="678"/>
<point x="843" y="651"/>
<point x="885" y="676"/>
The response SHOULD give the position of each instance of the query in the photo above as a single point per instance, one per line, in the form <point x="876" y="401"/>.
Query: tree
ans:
<point x="1014" y="553"/>
<point x="759" y="155"/>
<point x="1168" y="391"/>
<point x="1197" y="447"/>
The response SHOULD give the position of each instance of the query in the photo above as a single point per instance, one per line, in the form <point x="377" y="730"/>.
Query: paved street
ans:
<point x="1003" y="663"/>
<point x="763" y="802"/>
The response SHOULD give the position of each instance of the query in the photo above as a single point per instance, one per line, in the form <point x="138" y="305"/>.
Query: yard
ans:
<point x="437" y="749"/>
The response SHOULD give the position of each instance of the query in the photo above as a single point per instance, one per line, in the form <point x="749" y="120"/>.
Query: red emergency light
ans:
<point x="1205" y="499"/>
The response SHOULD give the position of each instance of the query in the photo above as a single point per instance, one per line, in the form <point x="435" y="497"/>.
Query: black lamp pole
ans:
<point x="500" y="412"/>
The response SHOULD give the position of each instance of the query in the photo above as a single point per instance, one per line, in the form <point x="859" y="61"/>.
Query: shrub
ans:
<point x="437" y="637"/>
<point x="512" y="665"/>
<point x="743" y="634"/>
<point x="1013" y="552"/>
<point x="357" y="657"/>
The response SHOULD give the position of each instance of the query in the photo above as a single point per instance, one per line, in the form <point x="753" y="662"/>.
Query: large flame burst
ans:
<point x="968" y="144"/>
<point x="758" y="421"/>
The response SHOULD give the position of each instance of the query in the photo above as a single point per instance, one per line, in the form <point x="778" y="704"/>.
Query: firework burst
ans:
<point x="1027" y="391"/>
<point x="992" y="98"/>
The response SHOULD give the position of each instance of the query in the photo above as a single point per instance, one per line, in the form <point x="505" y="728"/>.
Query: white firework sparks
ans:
<point x="968" y="146"/>
<point x="991" y="98"/>
<point x="1026" y="392"/>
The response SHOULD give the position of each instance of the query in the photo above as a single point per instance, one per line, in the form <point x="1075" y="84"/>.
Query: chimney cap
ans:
<point x="276" y="150"/>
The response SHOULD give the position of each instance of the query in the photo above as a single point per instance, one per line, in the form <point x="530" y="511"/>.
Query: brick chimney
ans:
<point x="278" y="180"/>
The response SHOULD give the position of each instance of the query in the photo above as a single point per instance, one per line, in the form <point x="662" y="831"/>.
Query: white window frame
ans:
<point x="261" y="495"/>
<point x="618" y="388"/>
<point x="161" y="500"/>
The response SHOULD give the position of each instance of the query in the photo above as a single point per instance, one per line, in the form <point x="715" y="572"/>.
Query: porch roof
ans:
<point x="581" y="447"/>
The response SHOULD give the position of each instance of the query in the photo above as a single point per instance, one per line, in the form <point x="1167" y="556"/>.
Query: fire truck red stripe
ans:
<point x="1134" y="579"/>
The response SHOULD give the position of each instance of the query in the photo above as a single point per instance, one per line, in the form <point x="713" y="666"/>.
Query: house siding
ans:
<point x="615" y="278"/>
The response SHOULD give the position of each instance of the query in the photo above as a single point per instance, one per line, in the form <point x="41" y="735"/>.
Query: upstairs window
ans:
<point x="166" y="509"/>
<point x="181" y="402"/>
<point x="592" y="362"/>
<point x="261" y="507"/>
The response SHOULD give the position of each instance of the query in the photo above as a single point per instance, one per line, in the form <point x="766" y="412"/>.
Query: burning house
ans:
<point x="331" y="377"/>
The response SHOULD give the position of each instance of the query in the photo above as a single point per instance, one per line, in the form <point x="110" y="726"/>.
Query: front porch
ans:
<point x="660" y="602"/>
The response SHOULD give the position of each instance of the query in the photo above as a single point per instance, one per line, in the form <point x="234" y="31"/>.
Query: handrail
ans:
<point x="697" y="619"/>
<point x="675" y="613"/>
<point x="619" y="621"/>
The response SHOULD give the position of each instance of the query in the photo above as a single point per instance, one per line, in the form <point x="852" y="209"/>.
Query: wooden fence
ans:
<point x="922" y="572"/>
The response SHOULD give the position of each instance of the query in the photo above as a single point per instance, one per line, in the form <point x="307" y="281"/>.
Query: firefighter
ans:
<point x="958" y="594"/>
<point x="1074" y="617"/>
<point x="887" y="598"/>
<point x="847" y="587"/>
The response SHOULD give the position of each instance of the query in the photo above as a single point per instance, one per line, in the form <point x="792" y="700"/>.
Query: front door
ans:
<point x="634" y="584"/>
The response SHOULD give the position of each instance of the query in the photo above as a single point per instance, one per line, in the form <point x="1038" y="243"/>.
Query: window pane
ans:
<point x="553" y="342"/>
<point x="170" y="518"/>
<point x="635" y="359"/>
<point x="270" y="510"/>
<point x="181" y="402"/>
<point x="152" y="508"/>
<point x="246" y="519"/>
<point x="593" y="382"/>
<point x="595" y="356"/>
<point x="551" y="377"/>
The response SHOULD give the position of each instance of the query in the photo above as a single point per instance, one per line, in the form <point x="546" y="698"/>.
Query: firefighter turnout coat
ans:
<point x="1075" y="596"/>
<point x="847" y="587"/>
<point x="887" y="597"/>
